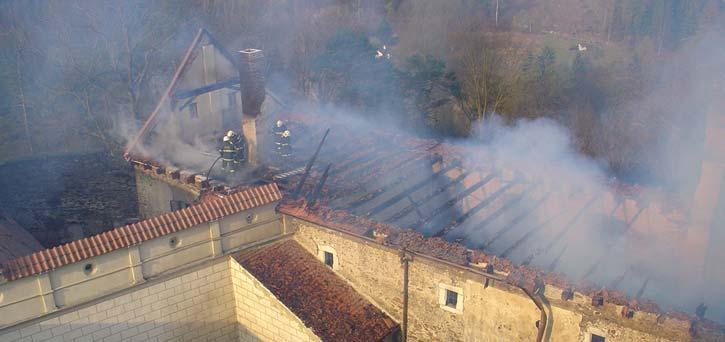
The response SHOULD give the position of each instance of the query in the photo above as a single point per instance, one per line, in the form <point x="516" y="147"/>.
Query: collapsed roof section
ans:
<point x="607" y="239"/>
<point x="201" y="101"/>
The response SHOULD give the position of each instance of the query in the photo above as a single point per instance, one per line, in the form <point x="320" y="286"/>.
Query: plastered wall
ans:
<point x="73" y="285"/>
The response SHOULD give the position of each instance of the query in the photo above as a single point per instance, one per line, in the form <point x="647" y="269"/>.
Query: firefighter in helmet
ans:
<point x="279" y="127"/>
<point x="240" y="145"/>
<point x="284" y="147"/>
<point x="228" y="154"/>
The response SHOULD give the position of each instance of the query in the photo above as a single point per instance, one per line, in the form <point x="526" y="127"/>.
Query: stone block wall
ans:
<point x="198" y="305"/>
<point x="260" y="315"/>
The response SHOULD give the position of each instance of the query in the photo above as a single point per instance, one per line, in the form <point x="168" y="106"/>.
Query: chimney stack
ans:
<point x="252" y="86"/>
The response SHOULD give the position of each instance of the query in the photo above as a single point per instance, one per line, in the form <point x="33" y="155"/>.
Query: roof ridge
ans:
<point x="135" y="233"/>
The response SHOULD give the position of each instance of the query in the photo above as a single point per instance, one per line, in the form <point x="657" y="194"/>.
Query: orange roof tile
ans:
<point x="323" y="301"/>
<point x="135" y="233"/>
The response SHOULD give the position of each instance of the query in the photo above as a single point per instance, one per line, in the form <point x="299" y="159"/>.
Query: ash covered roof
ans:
<point x="15" y="241"/>
<point x="135" y="233"/>
<point x="324" y="302"/>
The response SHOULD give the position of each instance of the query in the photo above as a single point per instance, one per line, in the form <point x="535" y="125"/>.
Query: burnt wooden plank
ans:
<point x="415" y="187"/>
<point x="405" y="211"/>
<point x="482" y="204"/>
<point x="536" y="228"/>
<point x="451" y="202"/>
<point x="513" y="222"/>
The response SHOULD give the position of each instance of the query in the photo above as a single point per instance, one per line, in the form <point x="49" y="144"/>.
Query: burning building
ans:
<point x="361" y="236"/>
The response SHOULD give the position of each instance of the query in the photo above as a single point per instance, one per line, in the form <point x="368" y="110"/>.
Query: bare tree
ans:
<point x="483" y="87"/>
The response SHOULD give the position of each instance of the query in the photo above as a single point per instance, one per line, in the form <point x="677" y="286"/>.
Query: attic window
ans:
<point x="597" y="338"/>
<point x="328" y="255"/>
<point x="451" y="299"/>
<point x="329" y="259"/>
<point x="194" y="110"/>
<point x="177" y="205"/>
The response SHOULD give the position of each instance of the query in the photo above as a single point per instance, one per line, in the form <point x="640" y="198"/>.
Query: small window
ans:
<point x="329" y="259"/>
<point x="89" y="269"/>
<point x="328" y="255"/>
<point x="177" y="205"/>
<point x="597" y="338"/>
<point x="451" y="299"/>
<point x="194" y="110"/>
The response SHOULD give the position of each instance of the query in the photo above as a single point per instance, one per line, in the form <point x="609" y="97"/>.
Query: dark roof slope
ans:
<point x="15" y="241"/>
<point x="324" y="302"/>
<point x="132" y="234"/>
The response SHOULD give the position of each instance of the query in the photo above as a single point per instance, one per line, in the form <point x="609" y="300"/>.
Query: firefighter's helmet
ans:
<point x="226" y="138"/>
<point x="230" y="133"/>
<point x="279" y="123"/>
<point x="285" y="133"/>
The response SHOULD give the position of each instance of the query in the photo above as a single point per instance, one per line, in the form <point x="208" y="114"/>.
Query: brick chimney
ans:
<point x="251" y="76"/>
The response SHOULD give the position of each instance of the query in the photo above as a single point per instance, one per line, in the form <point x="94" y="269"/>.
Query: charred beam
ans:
<point x="415" y="205"/>
<point x="642" y="288"/>
<point x="611" y="244"/>
<point x="415" y="187"/>
<point x="312" y="200"/>
<point x="473" y="211"/>
<point x="366" y="164"/>
<point x="405" y="211"/>
<point x="309" y="165"/>
<point x="513" y="222"/>
<point x="555" y="262"/>
<point x="371" y="195"/>
<point x="618" y="280"/>
<point x="192" y="93"/>
<point x="451" y="202"/>
<point x="531" y="232"/>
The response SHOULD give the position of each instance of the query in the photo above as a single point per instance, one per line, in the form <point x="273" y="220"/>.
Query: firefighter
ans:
<point x="240" y="145"/>
<point x="284" y="146"/>
<point x="228" y="154"/>
<point x="278" y="128"/>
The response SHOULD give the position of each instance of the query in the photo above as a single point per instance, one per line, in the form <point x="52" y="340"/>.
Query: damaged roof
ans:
<point x="323" y="301"/>
<point x="15" y="241"/>
<point x="430" y="196"/>
<point x="132" y="234"/>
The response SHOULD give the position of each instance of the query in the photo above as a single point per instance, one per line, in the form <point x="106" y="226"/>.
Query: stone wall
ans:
<point x="197" y="305"/>
<point x="498" y="312"/>
<point x="260" y="315"/>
